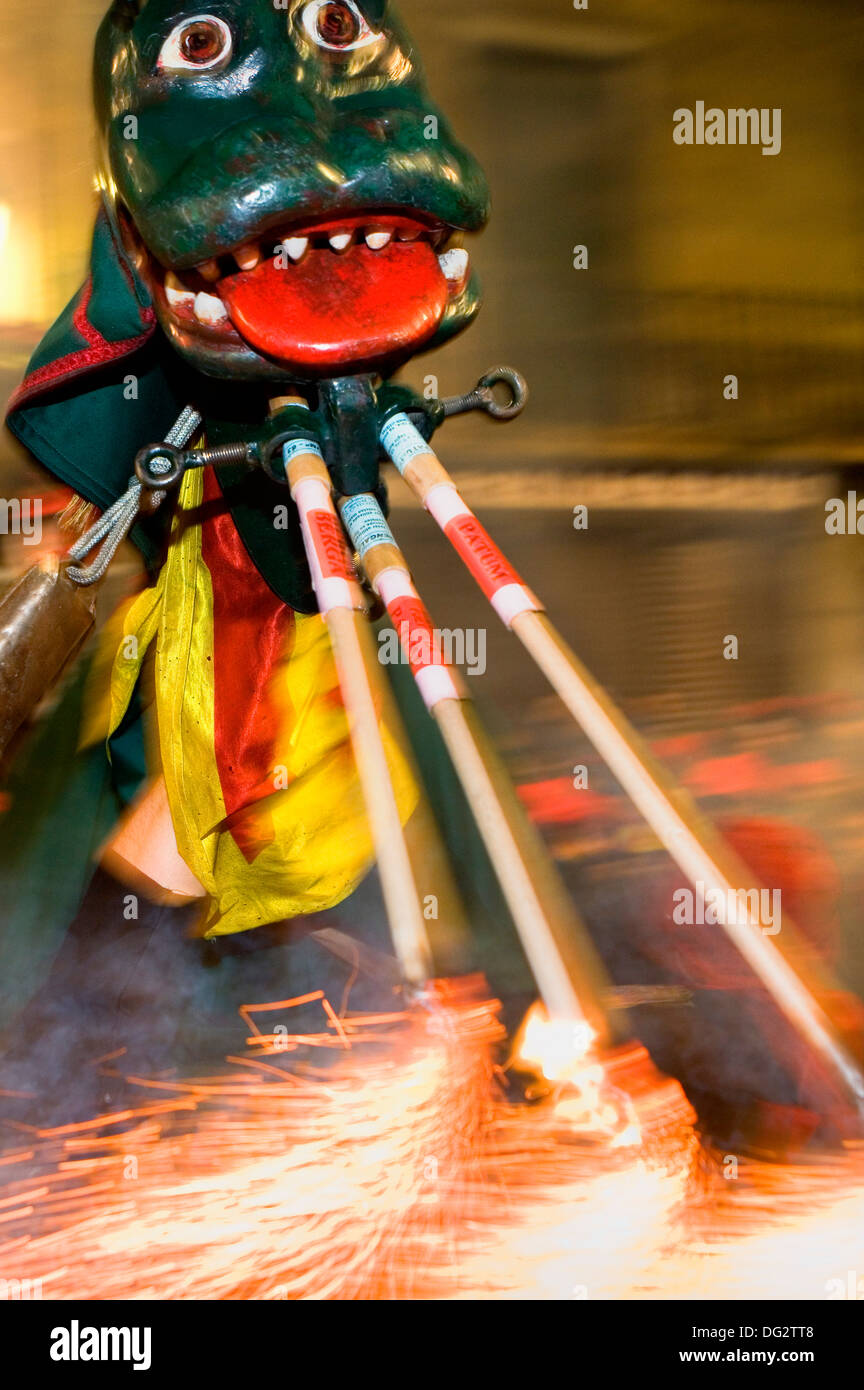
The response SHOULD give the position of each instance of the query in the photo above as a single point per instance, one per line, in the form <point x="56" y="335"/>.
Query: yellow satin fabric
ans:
<point x="319" y="840"/>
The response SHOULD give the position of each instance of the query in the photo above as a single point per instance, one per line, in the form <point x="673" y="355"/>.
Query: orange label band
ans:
<point x="416" y="633"/>
<point x="329" y="543"/>
<point x="481" y="555"/>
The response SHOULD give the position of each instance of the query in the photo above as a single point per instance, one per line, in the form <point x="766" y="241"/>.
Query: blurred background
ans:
<point x="702" y="261"/>
<point x="706" y="516"/>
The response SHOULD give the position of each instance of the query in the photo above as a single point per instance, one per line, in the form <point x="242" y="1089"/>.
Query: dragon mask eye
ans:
<point x="337" y="25"/>
<point x="197" y="45"/>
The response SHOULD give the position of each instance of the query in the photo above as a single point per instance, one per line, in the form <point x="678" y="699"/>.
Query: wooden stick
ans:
<point x="558" y="948"/>
<point x="340" y="600"/>
<point x="349" y="633"/>
<point x="702" y="855"/>
<point x="569" y="975"/>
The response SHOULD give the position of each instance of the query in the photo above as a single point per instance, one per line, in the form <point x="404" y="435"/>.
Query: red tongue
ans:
<point x="333" y="310"/>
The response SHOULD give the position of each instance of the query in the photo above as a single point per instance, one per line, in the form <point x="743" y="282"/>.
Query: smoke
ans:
<point x="146" y="984"/>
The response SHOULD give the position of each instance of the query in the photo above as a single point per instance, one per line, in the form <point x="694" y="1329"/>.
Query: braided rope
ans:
<point x="114" y="525"/>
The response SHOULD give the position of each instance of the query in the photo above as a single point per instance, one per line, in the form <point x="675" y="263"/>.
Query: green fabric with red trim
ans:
<point x="104" y="381"/>
<point x="101" y="383"/>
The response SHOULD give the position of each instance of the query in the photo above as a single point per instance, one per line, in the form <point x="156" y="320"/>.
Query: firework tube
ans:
<point x="340" y="600"/>
<point x="390" y="578"/>
<point x="693" y="843"/>
<point x="421" y="468"/>
<point x="556" y="944"/>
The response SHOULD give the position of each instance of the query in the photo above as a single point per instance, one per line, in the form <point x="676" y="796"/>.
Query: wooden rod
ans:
<point x="556" y="944"/>
<point x="702" y="855"/>
<point x="348" y="631"/>
<point x="340" y="601"/>
<point x="562" y="959"/>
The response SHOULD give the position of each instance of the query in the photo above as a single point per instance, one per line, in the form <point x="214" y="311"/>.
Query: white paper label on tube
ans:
<point x="333" y="593"/>
<point x="445" y="505"/>
<point x="394" y="584"/>
<point x="295" y="447"/>
<point x="512" y="600"/>
<point x="403" y="441"/>
<point x="366" y="524"/>
<point x="435" y="683"/>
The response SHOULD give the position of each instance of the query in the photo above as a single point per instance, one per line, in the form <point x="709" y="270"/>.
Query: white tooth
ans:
<point x="295" y="247"/>
<point x="177" y="294"/>
<point x="454" y="264"/>
<point x="376" y="241"/>
<point x="210" y="309"/>
<point x="210" y="270"/>
<point x="340" y="241"/>
<point x="248" y="256"/>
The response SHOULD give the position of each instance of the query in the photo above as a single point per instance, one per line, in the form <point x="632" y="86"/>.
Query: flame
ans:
<point x="563" y="1052"/>
<point x="556" y="1047"/>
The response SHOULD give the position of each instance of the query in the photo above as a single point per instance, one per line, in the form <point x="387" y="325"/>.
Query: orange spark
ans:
<point x="402" y="1171"/>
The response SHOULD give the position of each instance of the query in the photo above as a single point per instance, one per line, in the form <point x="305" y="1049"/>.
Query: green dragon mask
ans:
<point x="281" y="202"/>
